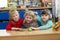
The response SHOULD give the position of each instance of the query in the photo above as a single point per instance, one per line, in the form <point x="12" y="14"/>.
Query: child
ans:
<point x="29" y="20"/>
<point x="15" y="22"/>
<point x="45" y="21"/>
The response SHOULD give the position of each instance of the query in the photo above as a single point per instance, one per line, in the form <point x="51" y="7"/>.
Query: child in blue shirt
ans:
<point x="44" y="20"/>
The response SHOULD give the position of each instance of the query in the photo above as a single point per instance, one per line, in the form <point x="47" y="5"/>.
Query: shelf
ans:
<point x="6" y="9"/>
<point x="40" y="8"/>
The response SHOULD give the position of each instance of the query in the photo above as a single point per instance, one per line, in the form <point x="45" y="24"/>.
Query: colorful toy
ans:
<point x="56" y="26"/>
<point x="29" y="29"/>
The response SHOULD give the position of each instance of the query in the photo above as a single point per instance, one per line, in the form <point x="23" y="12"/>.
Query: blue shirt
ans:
<point x="48" y="24"/>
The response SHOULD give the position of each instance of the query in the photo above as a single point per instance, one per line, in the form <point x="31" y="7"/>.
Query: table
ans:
<point x="33" y="35"/>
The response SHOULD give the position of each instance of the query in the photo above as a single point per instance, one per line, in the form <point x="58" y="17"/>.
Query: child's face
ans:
<point x="28" y="18"/>
<point x="45" y="17"/>
<point x="15" y="17"/>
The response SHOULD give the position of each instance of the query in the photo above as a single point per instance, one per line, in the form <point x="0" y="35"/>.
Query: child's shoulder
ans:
<point x="21" y="19"/>
<point x="10" y="21"/>
<point x="50" y="21"/>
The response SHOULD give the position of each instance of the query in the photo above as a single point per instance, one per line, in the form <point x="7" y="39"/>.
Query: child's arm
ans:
<point x="16" y="29"/>
<point x="38" y="18"/>
<point x="35" y="28"/>
<point x="8" y="27"/>
<point x="48" y="25"/>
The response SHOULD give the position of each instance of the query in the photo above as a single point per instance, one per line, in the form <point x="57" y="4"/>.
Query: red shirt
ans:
<point x="17" y="24"/>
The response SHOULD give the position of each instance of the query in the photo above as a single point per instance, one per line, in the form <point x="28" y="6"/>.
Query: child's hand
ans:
<point x="15" y="28"/>
<point x="35" y="28"/>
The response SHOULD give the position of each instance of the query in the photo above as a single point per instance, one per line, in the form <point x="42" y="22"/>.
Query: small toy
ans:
<point x="29" y="29"/>
<point x="56" y="26"/>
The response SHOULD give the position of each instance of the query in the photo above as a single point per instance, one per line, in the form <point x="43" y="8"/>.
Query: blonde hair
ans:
<point x="12" y="12"/>
<point x="30" y="13"/>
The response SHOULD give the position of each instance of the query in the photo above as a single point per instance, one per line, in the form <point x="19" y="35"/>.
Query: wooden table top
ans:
<point x="35" y="32"/>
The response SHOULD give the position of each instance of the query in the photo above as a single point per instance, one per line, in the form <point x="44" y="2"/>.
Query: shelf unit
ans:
<point x="6" y="9"/>
<point x="36" y="8"/>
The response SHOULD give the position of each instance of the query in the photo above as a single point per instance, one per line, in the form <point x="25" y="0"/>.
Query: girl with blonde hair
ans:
<point x="29" y="20"/>
<point x="15" y="22"/>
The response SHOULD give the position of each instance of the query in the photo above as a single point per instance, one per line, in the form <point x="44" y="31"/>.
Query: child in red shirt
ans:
<point x="15" y="22"/>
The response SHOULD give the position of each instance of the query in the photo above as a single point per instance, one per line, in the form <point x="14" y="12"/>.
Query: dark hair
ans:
<point x="45" y="12"/>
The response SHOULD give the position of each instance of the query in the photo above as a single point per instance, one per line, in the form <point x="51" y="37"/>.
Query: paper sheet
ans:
<point x="4" y="33"/>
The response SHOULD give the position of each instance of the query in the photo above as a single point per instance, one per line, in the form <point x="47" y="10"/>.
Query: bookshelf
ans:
<point x="22" y="2"/>
<point x="6" y="9"/>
